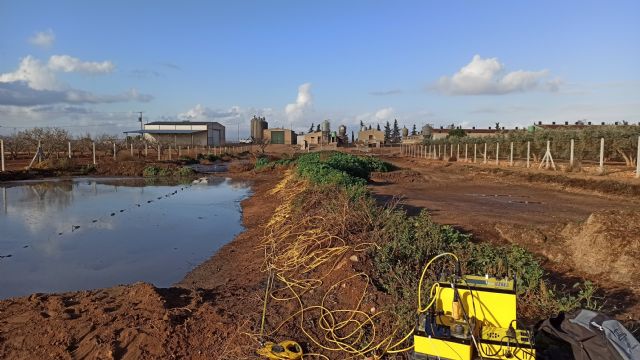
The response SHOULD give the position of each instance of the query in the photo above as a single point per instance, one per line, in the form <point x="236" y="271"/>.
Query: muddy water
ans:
<point x="88" y="233"/>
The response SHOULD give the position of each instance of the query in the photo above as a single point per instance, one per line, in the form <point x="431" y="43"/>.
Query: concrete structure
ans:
<point x="280" y="136"/>
<point x="182" y="133"/>
<point x="371" y="137"/>
<point x="313" y="138"/>
<point x="258" y="125"/>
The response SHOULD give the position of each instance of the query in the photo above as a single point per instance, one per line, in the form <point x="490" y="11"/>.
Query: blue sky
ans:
<point x="90" y="65"/>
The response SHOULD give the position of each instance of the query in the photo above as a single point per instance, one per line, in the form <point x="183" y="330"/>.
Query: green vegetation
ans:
<point x="621" y="143"/>
<point x="409" y="242"/>
<point x="261" y="163"/>
<point x="156" y="171"/>
<point x="339" y="168"/>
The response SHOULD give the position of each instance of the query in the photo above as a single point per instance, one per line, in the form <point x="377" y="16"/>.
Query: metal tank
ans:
<point x="326" y="126"/>
<point x="427" y="131"/>
<point x="342" y="130"/>
<point x="405" y="131"/>
<point x="258" y="125"/>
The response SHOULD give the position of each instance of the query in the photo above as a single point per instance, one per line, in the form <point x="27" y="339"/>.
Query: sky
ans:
<point x="90" y="66"/>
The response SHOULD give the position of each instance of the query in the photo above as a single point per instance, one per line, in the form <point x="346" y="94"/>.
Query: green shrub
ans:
<point x="261" y="163"/>
<point x="151" y="171"/>
<point x="185" y="171"/>
<point x="338" y="168"/>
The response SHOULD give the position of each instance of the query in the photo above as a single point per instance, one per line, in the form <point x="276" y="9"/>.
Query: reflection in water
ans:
<point x="87" y="233"/>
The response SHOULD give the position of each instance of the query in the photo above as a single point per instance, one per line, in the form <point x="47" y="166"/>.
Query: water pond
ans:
<point x="64" y="235"/>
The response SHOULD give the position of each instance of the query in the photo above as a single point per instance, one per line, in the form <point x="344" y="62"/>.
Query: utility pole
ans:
<point x="140" y="119"/>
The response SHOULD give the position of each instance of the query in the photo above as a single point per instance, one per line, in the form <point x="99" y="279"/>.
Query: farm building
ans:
<point x="183" y="133"/>
<point x="280" y="136"/>
<point x="371" y="137"/>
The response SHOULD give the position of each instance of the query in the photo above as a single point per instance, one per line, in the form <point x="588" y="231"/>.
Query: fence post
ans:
<point x="485" y="153"/>
<point x="511" y="156"/>
<point x="497" y="153"/>
<point x="638" y="160"/>
<point x="169" y="152"/>
<point x="114" y="151"/>
<point x="131" y="149"/>
<point x="466" y="159"/>
<point x="458" y="152"/>
<point x="93" y="145"/>
<point x="158" y="152"/>
<point x="69" y="144"/>
<point x="475" y="146"/>
<point x="2" y="154"/>
<point x="601" y="155"/>
<point x="571" y="155"/>
<point x="450" y="151"/>
<point x="528" y="152"/>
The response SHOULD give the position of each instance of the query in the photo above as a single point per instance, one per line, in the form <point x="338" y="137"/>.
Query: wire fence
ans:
<point x="571" y="154"/>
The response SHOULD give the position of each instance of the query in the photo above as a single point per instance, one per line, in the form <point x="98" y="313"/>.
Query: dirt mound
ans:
<point x="398" y="176"/>
<point x="100" y="324"/>
<point x="607" y="244"/>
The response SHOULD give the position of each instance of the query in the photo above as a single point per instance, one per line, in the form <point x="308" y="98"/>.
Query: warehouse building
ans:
<point x="183" y="133"/>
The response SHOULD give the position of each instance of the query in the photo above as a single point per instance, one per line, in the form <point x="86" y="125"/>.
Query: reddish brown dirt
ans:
<point x="571" y="227"/>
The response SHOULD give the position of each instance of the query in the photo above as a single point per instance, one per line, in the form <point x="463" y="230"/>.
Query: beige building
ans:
<point x="313" y="138"/>
<point x="182" y="133"/>
<point x="280" y="136"/>
<point x="371" y="137"/>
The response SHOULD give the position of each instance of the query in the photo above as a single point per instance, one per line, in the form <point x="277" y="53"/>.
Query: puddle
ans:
<point x="65" y="235"/>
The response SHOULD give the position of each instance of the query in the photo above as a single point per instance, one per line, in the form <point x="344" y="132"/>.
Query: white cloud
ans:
<point x="384" y="114"/>
<point x="34" y="73"/>
<point x="203" y="113"/>
<point x="41" y="76"/>
<point x="43" y="39"/>
<point x="68" y="63"/>
<point x="35" y="83"/>
<point x="488" y="77"/>
<point x="303" y="103"/>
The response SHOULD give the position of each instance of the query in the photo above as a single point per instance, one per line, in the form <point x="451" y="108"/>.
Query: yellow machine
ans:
<point x="471" y="317"/>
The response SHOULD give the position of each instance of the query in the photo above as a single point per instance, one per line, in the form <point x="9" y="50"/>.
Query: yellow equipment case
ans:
<point x="472" y="316"/>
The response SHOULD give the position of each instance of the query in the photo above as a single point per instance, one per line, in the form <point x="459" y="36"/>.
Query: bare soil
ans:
<point x="579" y="232"/>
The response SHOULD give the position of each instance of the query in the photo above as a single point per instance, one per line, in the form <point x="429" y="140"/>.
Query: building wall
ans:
<point x="196" y="139"/>
<point x="368" y="136"/>
<point x="314" y="137"/>
<point x="290" y="137"/>
<point x="209" y="134"/>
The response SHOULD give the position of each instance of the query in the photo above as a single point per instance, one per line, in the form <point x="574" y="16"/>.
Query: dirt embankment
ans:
<point x="581" y="228"/>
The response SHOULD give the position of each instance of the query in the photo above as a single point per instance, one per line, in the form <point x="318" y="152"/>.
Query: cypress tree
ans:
<point x="395" y="133"/>
<point x="387" y="133"/>
<point x="413" y="130"/>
